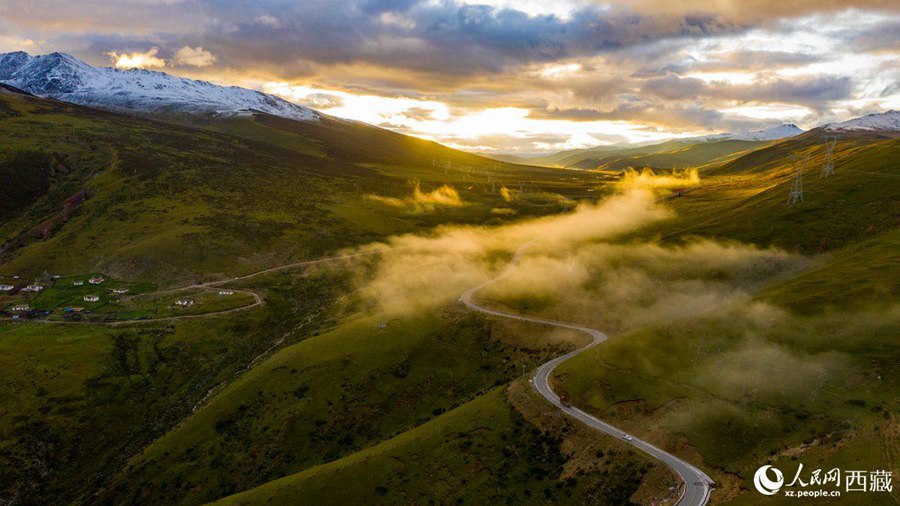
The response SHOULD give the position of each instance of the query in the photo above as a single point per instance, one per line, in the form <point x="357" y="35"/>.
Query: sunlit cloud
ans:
<point x="13" y="43"/>
<point x="194" y="57"/>
<point x="145" y="60"/>
<point x="517" y="76"/>
<point x="784" y="113"/>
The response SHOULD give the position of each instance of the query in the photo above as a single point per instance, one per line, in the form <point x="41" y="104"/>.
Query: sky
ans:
<point x="503" y="76"/>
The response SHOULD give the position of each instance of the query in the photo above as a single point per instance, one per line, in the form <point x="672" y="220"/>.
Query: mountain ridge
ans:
<point x="888" y="121"/>
<point x="63" y="77"/>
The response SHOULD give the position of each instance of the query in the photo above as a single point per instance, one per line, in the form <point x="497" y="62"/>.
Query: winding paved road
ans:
<point x="697" y="485"/>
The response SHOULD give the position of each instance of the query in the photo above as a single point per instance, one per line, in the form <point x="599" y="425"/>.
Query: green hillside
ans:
<point x="229" y="196"/>
<point x="747" y="200"/>
<point x="674" y="154"/>
<point x="481" y="451"/>
<point x="171" y="202"/>
<point x="802" y="368"/>
<point x="687" y="155"/>
<point x="319" y="396"/>
<point x="777" y="375"/>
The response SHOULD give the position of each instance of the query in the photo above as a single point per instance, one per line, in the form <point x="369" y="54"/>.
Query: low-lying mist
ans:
<point x="421" y="201"/>
<point x="684" y="318"/>
<point x="423" y="271"/>
<point x="574" y="266"/>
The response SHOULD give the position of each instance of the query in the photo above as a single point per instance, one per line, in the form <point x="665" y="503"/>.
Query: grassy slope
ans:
<point x="483" y="451"/>
<point x="226" y="198"/>
<point x="79" y="400"/>
<point x="245" y="450"/>
<point x="325" y="398"/>
<point x="170" y="203"/>
<point x="859" y="201"/>
<point x="681" y="156"/>
<point x="665" y="155"/>
<point x="804" y="371"/>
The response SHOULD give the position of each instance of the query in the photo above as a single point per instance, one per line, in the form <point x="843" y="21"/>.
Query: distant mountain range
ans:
<point x="64" y="77"/>
<point x="770" y="134"/>
<point x="884" y="122"/>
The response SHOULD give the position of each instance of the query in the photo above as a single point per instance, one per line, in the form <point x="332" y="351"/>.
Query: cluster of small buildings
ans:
<point x="24" y="310"/>
<point x="226" y="292"/>
<point x="184" y="302"/>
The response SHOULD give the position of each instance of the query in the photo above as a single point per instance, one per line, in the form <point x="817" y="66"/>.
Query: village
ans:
<point x="96" y="298"/>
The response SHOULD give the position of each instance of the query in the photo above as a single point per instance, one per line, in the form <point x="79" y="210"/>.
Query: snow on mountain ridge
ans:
<point x="885" y="121"/>
<point x="64" y="77"/>
<point x="770" y="134"/>
<point x="779" y="132"/>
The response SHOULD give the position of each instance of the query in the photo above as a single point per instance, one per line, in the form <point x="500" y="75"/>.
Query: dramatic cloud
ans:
<point x="194" y="56"/>
<point x="587" y="71"/>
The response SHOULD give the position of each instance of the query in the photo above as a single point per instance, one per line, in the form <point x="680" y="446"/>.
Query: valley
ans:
<point x="270" y="305"/>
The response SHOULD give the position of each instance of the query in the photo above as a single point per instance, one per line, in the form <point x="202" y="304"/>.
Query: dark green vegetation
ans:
<point x="154" y="201"/>
<point x="315" y="398"/>
<point x="171" y="203"/>
<point x="328" y="397"/>
<point x="494" y="455"/>
<point x="77" y="401"/>
<point x="803" y="370"/>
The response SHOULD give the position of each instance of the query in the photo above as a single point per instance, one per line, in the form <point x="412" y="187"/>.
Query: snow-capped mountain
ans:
<point x="884" y="122"/>
<point x="770" y="134"/>
<point x="64" y="77"/>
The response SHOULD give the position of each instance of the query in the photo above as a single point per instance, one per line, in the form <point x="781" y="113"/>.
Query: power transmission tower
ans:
<point x="796" y="196"/>
<point x="828" y="166"/>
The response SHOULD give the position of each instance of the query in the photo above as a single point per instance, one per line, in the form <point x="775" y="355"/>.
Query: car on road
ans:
<point x="626" y="437"/>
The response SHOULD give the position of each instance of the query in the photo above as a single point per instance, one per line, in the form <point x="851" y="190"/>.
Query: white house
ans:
<point x="77" y="283"/>
<point x="184" y="302"/>
<point x="96" y="280"/>
<point x="91" y="298"/>
<point x="6" y="288"/>
<point x="33" y="288"/>
<point x="119" y="291"/>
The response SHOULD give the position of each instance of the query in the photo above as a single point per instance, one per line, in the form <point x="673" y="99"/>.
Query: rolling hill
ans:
<point x="676" y="153"/>
<point x="320" y="395"/>
<point x="158" y="196"/>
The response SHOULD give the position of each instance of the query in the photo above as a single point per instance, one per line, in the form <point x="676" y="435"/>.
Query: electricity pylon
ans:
<point x="796" y="196"/>
<point x="828" y="166"/>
